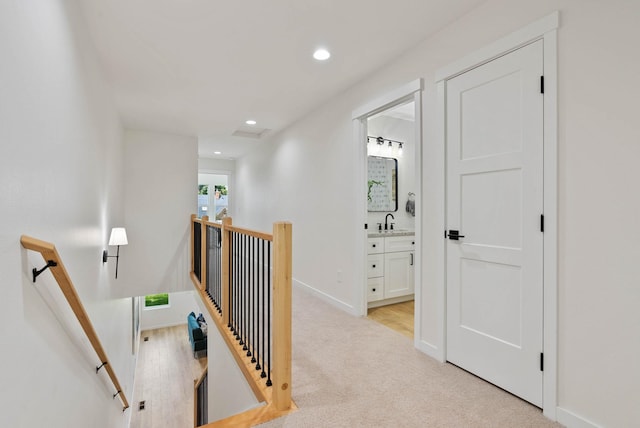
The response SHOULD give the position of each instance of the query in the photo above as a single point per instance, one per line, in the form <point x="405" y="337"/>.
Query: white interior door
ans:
<point x="494" y="140"/>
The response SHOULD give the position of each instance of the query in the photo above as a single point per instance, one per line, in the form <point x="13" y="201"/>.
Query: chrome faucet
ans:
<point x="386" y="225"/>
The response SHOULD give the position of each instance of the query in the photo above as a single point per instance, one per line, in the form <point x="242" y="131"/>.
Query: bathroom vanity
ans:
<point x="390" y="267"/>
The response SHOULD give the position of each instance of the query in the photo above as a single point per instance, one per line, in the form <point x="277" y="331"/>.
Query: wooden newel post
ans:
<point x="282" y="315"/>
<point x="226" y="264"/>
<point x="203" y="253"/>
<point x="193" y="217"/>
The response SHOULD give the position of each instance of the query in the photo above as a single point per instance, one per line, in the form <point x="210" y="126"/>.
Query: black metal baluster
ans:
<point x="240" y="280"/>
<point x="245" y="300"/>
<point x="258" y="313"/>
<point x="252" y="331"/>
<point x="263" y="374"/>
<point x="219" y="260"/>
<point x="197" y="253"/>
<point x="236" y="297"/>
<point x="231" y="250"/>
<point x="269" y="317"/>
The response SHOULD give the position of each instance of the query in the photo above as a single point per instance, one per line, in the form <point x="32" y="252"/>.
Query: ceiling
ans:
<point x="203" y="67"/>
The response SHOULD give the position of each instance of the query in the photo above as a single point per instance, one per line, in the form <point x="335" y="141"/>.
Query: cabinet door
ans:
<point x="398" y="274"/>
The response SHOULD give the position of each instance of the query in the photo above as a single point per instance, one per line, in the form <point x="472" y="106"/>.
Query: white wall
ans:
<point x="180" y="305"/>
<point x="229" y="392"/>
<point x="60" y="181"/>
<point x="398" y="130"/>
<point x="305" y="175"/>
<point x="160" y="196"/>
<point x="216" y="165"/>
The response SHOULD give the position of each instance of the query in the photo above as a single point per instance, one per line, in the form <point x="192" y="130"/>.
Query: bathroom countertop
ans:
<point x="389" y="233"/>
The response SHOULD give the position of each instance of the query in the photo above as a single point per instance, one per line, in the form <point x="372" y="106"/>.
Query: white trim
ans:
<point x="360" y="131"/>
<point x="570" y="419"/>
<point x="417" y="312"/>
<point x="387" y="100"/>
<point x="550" y="189"/>
<point x="544" y="29"/>
<point x="500" y="47"/>
<point x="428" y="348"/>
<point x="441" y="221"/>
<point x="325" y="297"/>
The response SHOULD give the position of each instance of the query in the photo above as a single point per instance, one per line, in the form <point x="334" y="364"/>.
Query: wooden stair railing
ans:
<point x="54" y="262"/>
<point x="277" y="398"/>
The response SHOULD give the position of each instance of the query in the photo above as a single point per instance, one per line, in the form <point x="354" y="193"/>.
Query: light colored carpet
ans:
<point x="354" y="372"/>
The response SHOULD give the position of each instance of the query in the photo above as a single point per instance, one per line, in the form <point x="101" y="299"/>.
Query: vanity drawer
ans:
<point x="375" y="265"/>
<point x="399" y="243"/>
<point x="375" y="245"/>
<point x="375" y="289"/>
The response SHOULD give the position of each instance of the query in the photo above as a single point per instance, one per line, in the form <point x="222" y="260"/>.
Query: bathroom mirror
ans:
<point x="382" y="184"/>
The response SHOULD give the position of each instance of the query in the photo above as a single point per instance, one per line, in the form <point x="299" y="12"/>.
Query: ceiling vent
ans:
<point x="246" y="131"/>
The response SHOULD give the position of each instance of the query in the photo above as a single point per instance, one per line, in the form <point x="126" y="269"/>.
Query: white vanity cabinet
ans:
<point x="390" y="270"/>
<point x="375" y="269"/>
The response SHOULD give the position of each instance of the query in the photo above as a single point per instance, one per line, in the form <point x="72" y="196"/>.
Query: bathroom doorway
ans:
<point x="391" y="196"/>
<point x="388" y="138"/>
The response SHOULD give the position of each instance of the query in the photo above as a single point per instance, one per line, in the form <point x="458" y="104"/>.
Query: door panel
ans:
<point x="494" y="199"/>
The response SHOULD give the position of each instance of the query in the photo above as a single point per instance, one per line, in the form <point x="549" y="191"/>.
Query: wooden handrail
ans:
<point x="49" y="253"/>
<point x="249" y="232"/>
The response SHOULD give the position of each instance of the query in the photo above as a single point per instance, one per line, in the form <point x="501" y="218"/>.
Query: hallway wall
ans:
<point x="306" y="175"/>
<point x="161" y="176"/>
<point x="60" y="181"/>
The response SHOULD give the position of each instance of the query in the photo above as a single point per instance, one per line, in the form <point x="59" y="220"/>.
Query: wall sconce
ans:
<point x="118" y="237"/>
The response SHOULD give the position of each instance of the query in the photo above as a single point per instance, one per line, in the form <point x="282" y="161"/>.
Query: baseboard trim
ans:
<point x="165" y="325"/>
<point x="571" y="420"/>
<point x="326" y="298"/>
<point x="429" y="349"/>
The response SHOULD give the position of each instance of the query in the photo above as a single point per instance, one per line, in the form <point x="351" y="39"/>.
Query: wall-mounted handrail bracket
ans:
<point x="101" y="366"/>
<point x="116" y="394"/>
<point x="37" y="272"/>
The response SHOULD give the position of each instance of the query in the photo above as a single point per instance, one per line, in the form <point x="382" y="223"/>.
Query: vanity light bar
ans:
<point x="382" y="140"/>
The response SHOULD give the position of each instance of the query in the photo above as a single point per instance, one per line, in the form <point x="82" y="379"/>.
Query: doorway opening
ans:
<point x="391" y="191"/>
<point x="213" y="196"/>
<point x="388" y="134"/>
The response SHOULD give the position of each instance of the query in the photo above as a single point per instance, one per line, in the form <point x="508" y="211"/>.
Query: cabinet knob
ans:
<point x="413" y="243"/>
<point x="374" y="266"/>
<point x="374" y="245"/>
<point x="373" y="289"/>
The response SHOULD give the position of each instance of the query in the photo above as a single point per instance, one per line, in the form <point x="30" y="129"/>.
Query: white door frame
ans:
<point x="411" y="91"/>
<point x="544" y="29"/>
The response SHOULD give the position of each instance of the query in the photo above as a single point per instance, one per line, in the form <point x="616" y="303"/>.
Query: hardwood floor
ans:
<point x="165" y="373"/>
<point x="398" y="317"/>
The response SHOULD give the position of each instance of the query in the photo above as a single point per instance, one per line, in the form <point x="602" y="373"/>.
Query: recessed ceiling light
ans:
<point x="321" y="54"/>
<point x="217" y="153"/>
<point x="250" y="122"/>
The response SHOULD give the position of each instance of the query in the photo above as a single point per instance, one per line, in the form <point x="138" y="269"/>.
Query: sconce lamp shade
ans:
<point x="118" y="236"/>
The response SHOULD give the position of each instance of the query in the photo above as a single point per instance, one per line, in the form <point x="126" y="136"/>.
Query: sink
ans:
<point x="399" y="231"/>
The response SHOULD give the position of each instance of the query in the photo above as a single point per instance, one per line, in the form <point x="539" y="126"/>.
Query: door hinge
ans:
<point x="541" y="361"/>
<point x="542" y="84"/>
<point x="366" y="226"/>
<point x="541" y="222"/>
<point x="445" y="234"/>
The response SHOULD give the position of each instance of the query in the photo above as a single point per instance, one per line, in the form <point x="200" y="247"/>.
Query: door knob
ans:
<point x="454" y="235"/>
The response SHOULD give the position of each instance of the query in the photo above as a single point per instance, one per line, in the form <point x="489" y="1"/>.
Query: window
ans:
<point x="156" y="300"/>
